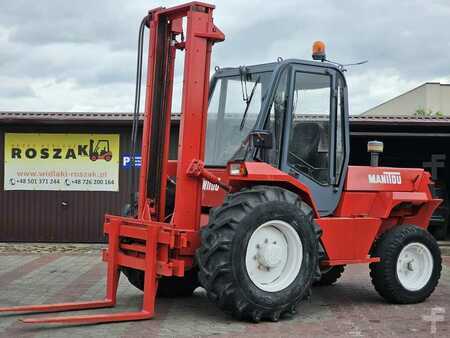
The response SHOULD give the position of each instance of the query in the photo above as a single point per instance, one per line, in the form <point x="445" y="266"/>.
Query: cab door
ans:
<point x="315" y="142"/>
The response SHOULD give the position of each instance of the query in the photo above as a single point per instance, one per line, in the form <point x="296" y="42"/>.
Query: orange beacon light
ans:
<point x="318" y="51"/>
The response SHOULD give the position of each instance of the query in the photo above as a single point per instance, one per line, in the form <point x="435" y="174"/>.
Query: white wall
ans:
<point x="405" y="104"/>
<point x="429" y="96"/>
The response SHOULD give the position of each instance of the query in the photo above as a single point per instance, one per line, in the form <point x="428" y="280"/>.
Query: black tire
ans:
<point x="168" y="287"/>
<point x="330" y="276"/>
<point x="384" y="273"/>
<point x="221" y="256"/>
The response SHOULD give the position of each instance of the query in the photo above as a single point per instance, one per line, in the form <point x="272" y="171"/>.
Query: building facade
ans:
<point x="429" y="99"/>
<point x="38" y="212"/>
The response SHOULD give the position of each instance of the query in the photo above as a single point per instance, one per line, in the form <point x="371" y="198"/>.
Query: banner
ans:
<point x="76" y="162"/>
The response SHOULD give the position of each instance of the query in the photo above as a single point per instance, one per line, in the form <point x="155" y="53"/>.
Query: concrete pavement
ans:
<point x="350" y="308"/>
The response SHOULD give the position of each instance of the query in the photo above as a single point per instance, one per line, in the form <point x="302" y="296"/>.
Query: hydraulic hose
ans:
<point x="135" y="124"/>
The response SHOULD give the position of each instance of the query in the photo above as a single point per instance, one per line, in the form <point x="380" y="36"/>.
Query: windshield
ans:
<point x="232" y="115"/>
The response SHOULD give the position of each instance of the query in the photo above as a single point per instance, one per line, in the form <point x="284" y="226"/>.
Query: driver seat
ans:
<point x="305" y="141"/>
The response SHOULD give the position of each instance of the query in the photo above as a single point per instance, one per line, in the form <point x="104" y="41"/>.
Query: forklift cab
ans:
<point x="302" y="109"/>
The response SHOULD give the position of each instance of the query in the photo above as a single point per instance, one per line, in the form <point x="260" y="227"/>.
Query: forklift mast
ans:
<point x="166" y="26"/>
<point x="146" y="243"/>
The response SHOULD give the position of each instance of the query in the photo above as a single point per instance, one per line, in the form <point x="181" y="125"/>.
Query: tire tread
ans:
<point x="383" y="274"/>
<point x="215" y="272"/>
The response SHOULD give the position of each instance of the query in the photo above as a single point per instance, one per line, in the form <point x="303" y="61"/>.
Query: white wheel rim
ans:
<point x="414" y="266"/>
<point x="274" y="256"/>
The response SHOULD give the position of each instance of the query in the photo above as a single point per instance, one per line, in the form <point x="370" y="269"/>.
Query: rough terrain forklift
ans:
<point x="281" y="209"/>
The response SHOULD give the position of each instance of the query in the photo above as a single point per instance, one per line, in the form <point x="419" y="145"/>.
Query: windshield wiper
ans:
<point x="248" y="101"/>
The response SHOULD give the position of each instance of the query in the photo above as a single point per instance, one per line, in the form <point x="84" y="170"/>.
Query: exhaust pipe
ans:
<point x="375" y="148"/>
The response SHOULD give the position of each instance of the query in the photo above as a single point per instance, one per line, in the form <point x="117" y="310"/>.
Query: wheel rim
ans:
<point x="414" y="266"/>
<point x="274" y="256"/>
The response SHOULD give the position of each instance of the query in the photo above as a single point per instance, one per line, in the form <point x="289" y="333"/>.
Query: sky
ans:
<point x="80" y="56"/>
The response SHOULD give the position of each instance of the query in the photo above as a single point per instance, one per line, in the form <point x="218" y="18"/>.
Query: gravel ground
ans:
<point x="51" y="248"/>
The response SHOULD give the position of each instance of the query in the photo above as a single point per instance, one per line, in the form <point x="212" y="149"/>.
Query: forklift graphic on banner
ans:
<point x="101" y="150"/>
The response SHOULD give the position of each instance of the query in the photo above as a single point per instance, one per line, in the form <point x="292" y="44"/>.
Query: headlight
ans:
<point x="237" y="169"/>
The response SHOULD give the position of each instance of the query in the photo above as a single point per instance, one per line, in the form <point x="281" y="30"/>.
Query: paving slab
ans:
<point x="351" y="308"/>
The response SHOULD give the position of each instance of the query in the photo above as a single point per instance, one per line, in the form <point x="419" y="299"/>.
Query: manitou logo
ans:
<point x="208" y="186"/>
<point x="388" y="177"/>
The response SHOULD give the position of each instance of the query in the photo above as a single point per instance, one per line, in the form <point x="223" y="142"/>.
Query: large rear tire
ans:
<point x="259" y="253"/>
<point x="410" y="265"/>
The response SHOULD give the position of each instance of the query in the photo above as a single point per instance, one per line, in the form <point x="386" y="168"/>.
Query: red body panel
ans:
<point x="373" y="200"/>
<point x="212" y="194"/>
<point x="361" y="178"/>
<point x="347" y="239"/>
<point x="405" y="198"/>
<point x="264" y="173"/>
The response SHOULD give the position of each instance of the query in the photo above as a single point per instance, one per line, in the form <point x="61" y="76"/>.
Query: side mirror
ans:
<point x="261" y="139"/>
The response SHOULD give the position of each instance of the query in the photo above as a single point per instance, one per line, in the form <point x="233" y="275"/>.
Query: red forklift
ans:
<point x="282" y="209"/>
<point x="101" y="150"/>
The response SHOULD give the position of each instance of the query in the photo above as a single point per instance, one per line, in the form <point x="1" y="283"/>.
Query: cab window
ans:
<point x="309" y="139"/>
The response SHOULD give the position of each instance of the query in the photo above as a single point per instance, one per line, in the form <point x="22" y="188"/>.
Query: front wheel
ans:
<point x="259" y="253"/>
<point x="410" y="265"/>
